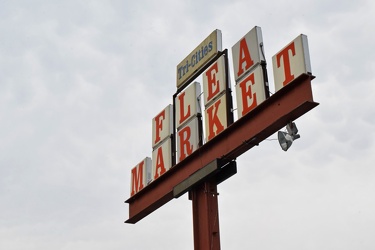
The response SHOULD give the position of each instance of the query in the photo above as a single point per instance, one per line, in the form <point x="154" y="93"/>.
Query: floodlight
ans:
<point x="286" y="139"/>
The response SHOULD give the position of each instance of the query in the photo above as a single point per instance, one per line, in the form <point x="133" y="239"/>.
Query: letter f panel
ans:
<point x="162" y="126"/>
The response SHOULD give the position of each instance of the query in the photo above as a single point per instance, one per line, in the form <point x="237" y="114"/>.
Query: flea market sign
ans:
<point x="200" y="118"/>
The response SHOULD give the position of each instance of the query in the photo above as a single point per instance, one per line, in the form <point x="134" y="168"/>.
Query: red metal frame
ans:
<point x="284" y="106"/>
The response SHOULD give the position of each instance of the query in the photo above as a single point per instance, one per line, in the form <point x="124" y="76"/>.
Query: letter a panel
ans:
<point x="247" y="52"/>
<point x="161" y="159"/>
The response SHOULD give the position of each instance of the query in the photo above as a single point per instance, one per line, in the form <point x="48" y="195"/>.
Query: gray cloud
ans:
<point x="80" y="83"/>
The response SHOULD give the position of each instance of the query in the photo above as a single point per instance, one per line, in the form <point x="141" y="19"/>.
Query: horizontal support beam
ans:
<point x="287" y="104"/>
<point x="217" y="169"/>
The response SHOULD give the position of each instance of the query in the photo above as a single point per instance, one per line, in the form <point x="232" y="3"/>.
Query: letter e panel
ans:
<point x="214" y="81"/>
<point x="250" y="91"/>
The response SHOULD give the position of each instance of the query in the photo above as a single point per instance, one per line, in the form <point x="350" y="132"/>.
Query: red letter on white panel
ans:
<point x="212" y="84"/>
<point x="159" y="125"/>
<point x="250" y="91"/>
<point x="183" y="114"/>
<point x="185" y="148"/>
<point x="162" y="126"/>
<point x="188" y="139"/>
<point x="291" y="62"/>
<point x="161" y="159"/>
<point x="247" y="53"/>
<point x="284" y="54"/>
<point x="160" y="166"/>
<point x="140" y="176"/>
<point x="214" y="80"/>
<point x="244" y="58"/>
<point x="137" y="182"/>
<point x="187" y="104"/>
<point x="216" y="118"/>
<point x="249" y="99"/>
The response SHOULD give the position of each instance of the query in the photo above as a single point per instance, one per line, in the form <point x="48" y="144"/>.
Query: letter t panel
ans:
<point x="291" y="62"/>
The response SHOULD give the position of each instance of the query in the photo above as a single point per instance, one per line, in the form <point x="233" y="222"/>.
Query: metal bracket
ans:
<point x="218" y="169"/>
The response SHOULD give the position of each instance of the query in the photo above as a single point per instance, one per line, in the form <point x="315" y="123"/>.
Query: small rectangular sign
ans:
<point x="216" y="118"/>
<point x="187" y="104"/>
<point x="290" y="62"/>
<point x="187" y="139"/>
<point x="140" y="176"/>
<point x="247" y="52"/>
<point x="250" y="91"/>
<point x="161" y="159"/>
<point x="214" y="81"/>
<point x="198" y="57"/>
<point x="162" y="125"/>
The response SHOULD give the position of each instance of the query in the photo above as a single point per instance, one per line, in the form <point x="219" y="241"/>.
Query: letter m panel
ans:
<point x="140" y="176"/>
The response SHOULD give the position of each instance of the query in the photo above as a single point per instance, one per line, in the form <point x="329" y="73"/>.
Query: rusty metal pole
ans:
<point x="206" y="216"/>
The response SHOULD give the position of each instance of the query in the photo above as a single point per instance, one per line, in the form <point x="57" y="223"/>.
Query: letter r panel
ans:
<point x="192" y="141"/>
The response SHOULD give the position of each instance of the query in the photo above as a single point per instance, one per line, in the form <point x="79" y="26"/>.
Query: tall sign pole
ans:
<point x="206" y="216"/>
<point x="205" y="196"/>
<point x="195" y="148"/>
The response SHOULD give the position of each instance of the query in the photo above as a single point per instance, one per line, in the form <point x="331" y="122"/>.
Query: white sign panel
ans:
<point x="187" y="105"/>
<point x="214" y="80"/>
<point x="250" y="91"/>
<point x="216" y="118"/>
<point x="162" y="126"/>
<point x="187" y="139"/>
<point x="140" y="176"/>
<point x="247" y="52"/>
<point x="161" y="159"/>
<point x="290" y="62"/>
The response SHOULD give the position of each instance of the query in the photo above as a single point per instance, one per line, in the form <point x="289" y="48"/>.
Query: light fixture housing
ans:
<point x="286" y="139"/>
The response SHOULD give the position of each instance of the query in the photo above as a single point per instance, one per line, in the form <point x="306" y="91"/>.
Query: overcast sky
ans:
<point x="80" y="82"/>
